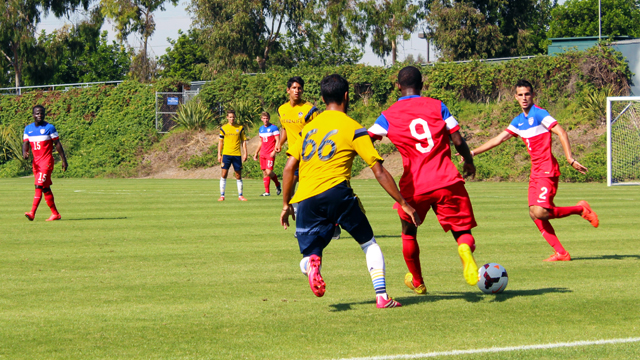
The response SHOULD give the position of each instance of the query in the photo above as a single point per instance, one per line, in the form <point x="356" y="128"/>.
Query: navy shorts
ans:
<point x="318" y="215"/>
<point x="228" y="160"/>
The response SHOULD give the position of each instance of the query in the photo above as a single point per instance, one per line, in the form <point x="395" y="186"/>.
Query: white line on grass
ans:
<point x="503" y="349"/>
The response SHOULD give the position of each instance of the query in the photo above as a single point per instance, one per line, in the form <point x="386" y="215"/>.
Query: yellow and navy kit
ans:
<point x="293" y="119"/>
<point x="233" y="136"/>
<point x="326" y="150"/>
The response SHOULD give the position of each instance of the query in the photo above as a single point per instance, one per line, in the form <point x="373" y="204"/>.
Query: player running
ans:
<point x="232" y="138"/>
<point x="420" y="127"/>
<point x="324" y="156"/>
<point x="534" y="125"/>
<point x="270" y="136"/>
<point x="42" y="137"/>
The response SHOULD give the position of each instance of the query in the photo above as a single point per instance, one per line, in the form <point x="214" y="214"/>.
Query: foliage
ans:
<point x="247" y="111"/>
<point x="205" y="160"/>
<point x="10" y="145"/>
<point x="593" y="103"/>
<point x="194" y="115"/>
<point x="576" y="18"/>
<point x="185" y="58"/>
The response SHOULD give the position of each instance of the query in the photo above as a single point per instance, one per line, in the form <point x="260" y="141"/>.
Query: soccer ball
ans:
<point x="492" y="278"/>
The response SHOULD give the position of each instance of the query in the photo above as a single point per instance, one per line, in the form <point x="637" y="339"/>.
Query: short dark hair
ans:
<point x="295" y="79"/>
<point x="264" y="113"/>
<point x="333" y="87"/>
<point x="524" y="83"/>
<point x="38" y="106"/>
<point x="231" y="111"/>
<point x="410" y="77"/>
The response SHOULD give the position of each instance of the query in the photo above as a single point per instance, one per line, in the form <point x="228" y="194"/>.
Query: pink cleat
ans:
<point x="382" y="303"/>
<point x="241" y="198"/>
<point x="558" y="257"/>
<point x="221" y="198"/>
<point x="54" y="217"/>
<point x="589" y="214"/>
<point x="315" y="279"/>
<point x="30" y="216"/>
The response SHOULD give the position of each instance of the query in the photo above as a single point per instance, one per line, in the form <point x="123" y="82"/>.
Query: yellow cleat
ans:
<point x="470" y="269"/>
<point x="408" y="280"/>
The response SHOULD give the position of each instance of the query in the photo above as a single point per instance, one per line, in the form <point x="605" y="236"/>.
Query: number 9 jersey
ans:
<point x="419" y="127"/>
<point x="325" y="152"/>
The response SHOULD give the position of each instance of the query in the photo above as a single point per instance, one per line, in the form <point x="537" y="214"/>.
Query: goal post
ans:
<point x="623" y="140"/>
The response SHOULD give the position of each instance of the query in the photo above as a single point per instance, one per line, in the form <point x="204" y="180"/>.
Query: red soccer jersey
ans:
<point x="41" y="139"/>
<point x="420" y="127"/>
<point x="268" y="136"/>
<point x="534" y="129"/>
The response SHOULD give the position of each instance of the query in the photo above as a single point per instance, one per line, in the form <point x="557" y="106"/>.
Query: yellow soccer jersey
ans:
<point x="326" y="151"/>
<point x="293" y="119"/>
<point x="233" y="136"/>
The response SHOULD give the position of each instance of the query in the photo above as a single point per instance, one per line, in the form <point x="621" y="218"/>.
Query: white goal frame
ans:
<point x="610" y="122"/>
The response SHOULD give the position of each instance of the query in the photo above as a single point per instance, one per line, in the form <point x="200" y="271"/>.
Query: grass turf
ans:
<point x="143" y="269"/>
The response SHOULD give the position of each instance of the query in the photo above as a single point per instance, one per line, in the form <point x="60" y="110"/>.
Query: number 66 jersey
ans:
<point x="420" y="127"/>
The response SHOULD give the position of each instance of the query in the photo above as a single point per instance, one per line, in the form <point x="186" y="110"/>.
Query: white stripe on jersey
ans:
<point x="267" y="134"/>
<point x="378" y="130"/>
<point x="451" y="122"/>
<point x="41" y="137"/>
<point x="548" y="121"/>
<point x="530" y="132"/>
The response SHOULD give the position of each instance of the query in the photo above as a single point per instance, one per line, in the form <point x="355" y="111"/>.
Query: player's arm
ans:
<point x="60" y="151"/>
<point x="389" y="185"/>
<point x="283" y="139"/>
<point x="287" y="191"/>
<point x="273" y="153"/>
<point x="244" y="150"/>
<point x="566" y="146"/>
<point x="499" y="139"/>
<point x="25" y="149"/>
<point x="468" y="168"/>
<point x="220" y="145"/>
<point x="255" y="155"/>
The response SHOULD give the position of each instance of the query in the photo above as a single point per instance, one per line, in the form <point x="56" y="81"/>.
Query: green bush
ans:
<point x="194" y="115"/>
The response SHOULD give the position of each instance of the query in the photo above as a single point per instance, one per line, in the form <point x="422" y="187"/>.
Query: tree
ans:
<point x="577" y="18"/>
<point x="185" y="58"/>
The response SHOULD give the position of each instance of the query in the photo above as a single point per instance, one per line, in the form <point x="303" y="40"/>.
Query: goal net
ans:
<point x="623" y="140"/>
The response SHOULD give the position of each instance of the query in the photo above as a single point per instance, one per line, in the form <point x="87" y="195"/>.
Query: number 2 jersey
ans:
<point x="41" y="139"/>
<point x="535" y="130"/>
<point x="326" y="150"/>
<point x="419" y="127"/>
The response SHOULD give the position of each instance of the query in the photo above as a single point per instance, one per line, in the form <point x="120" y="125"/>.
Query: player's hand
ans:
<point x="244" y="157"/>
<point x="469" y="170"/>
<point x="220" y="158"/>
<point x="255" y="157"/>
<point x="277" y="149"/>
<point x="25" y="155"/>
<point x="576" y="165"/>
<point x="284" y="216"/>
<point x="64" y="165"/>
<point x="409" y="210"/>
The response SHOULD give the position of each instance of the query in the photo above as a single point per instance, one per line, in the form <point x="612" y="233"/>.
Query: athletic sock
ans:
<point x="549" y="234"/>
<point x="411" y="252"/>
<point x="48" y="197"/>
<point x="375" y="264"/>
<point x="36" y="200"/>
<point x="467" y="239"/>
<point x="223" y="185"/>
<point x="266" y="180"/>
<point x="560" y="212"/>
<point x="275" y="180"/>
<point x="239" y="183"/>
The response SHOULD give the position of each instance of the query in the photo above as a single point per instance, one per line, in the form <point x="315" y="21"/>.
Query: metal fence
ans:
<point x="60" y="87"/>
<point x="168" y="103"/>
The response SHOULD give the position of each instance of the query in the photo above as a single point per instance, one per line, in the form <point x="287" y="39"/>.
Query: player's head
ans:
<point x="231" y="116"/>
<point x="295" y="88"/>
<point x="524" y="94"/>
<point x="334" y="89"/>
<point x="39" y="113"/>
<point x="265" y="117"/>
<point x="410" y="78"/>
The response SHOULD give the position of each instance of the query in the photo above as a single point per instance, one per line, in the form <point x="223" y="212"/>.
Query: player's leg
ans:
<point x="266" y="180"/>
<point x="48" y="197"/>
<point x="310" y="222"/>
<point x="541" y="194"/>
<point x="36" y="202"/>
<point x="224" y="172"/>
<point x="411" y="252"/>
<point x="272" y="175"/>
<point x="239" y="184"/>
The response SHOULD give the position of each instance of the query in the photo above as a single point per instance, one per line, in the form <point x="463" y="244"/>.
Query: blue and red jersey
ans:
<point x="420" y="127"/>
<point x="535" y="130"/>
<point x="41" y="139"/>
<point x="268" y="136"/>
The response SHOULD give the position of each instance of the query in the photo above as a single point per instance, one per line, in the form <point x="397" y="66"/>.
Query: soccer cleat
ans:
<point x="221" y="198"/>
<point x="408" y="280"/>
<point x="241" y="198"/>
<point x="469" y="267"/>
<point x="266" y="194"/>
<point x="336" y="233"/>
<point x="54" y="217"/>
<point x="30" y="216"/>
<point x="558" y="257"/>
<point x="315" y="279"/>
<point x="589" y="214"/>
<point x="278" y="190"/>
<point x="382" y="303"/>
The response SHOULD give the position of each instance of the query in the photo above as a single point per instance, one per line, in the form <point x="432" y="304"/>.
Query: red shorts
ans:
<point x="42" y="175"/>
<point x="266" y="163"/>
<point x="542" y="191"/>
<point x="451" y="205"/>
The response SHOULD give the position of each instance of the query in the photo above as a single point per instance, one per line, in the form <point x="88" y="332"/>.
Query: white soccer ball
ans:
<point x="492" y="278"/>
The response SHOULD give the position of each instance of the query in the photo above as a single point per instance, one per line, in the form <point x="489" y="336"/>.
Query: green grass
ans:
<point x="157" y="269"/>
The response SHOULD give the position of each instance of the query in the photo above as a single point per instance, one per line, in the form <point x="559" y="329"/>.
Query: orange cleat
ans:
<point x="241" y="198"/>
<point x="558" y="257"/>
<point x="221" y="198"/>
<point x="420" y="289"/>
<point x="589" y="214"/>
<point x="382" y="303"/>
<point x="54" y="217"/>
<point x="30" y="216"/>
<point x="316" y="282"/>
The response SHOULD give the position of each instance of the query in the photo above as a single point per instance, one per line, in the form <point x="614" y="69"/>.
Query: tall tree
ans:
<point x="580" y="18"/>
<point x="185" y="58"/>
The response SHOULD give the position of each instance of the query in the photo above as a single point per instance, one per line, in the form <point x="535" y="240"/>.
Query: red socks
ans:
<point x="560" y="212"/>
<point x="275" y="180"/>
<point x="411" y="252"/>
<point x="48" y="197"/>
<point x="550" y="235"/>
<point x="467" y="239"/>
<point x="36" y="200"/>
<point x="265" y="181"/>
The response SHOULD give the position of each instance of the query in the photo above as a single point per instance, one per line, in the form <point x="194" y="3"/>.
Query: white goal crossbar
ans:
<point x="623" y="140"/>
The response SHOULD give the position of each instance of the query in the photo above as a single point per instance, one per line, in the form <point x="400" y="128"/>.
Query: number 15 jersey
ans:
<point x="420" y="127"/>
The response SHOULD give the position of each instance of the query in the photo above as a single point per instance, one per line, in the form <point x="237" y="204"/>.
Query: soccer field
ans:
<point x="158" y="269"/>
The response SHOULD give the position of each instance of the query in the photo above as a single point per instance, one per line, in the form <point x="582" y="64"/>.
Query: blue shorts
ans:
<point x="318" y="215"/>
<point x="228" y="160"/>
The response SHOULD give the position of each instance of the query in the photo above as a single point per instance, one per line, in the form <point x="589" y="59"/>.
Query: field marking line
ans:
<point x="502" y="349"/>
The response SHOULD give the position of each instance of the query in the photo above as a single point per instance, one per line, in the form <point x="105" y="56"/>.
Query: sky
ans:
<point x="177" y="18"/>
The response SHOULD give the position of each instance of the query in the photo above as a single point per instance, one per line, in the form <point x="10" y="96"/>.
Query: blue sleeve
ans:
<point x="445" y="112"/>
<point x="540" y="114"/>
<point x="382" y="121"/>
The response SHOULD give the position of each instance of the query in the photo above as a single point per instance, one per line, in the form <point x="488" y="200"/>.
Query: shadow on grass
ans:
<point x="606" y="257"/>
<point x="105" y="218"/>
<point x="472" y="297"/>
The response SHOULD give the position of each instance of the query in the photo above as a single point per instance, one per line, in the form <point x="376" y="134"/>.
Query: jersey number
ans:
<point x="42" y="177"/>
<point x="425" y="134"/>
<point x="320" y="149"/>
<point x="36" y="145"/>
<point x="543" y="195"/>
<point x="528" y="144"/>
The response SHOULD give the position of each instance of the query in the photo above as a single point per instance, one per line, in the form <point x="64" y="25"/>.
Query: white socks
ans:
<point x="375" y="265"/>
<point x="223" y="185"/>
<point x="239" y="183"/>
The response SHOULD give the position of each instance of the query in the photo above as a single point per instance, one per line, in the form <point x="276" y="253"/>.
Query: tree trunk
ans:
<point x="393" y="51"/>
